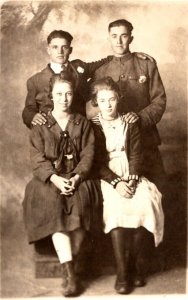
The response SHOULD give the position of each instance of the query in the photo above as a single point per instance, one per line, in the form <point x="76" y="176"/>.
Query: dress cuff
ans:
<point x="133" y="177"/>
<point x="115" y="181"/>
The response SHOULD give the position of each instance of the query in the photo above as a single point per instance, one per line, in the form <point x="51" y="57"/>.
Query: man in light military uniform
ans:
<point x="142" y="92"/>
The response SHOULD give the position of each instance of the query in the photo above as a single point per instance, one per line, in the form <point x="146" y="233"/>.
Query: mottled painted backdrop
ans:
<point x="159" y="30"/>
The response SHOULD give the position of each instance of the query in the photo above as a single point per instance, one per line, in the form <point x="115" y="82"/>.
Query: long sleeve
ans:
<point x="100" y="167"/>
<point x="152" y="113"/>
<point x="87" y="151"/>
<point x="31" y="107"/>
<point x="93" y="66"/>
<point x="89" y="68"/>
<point x="42" y="167"/>
<point x="134" y="149"/>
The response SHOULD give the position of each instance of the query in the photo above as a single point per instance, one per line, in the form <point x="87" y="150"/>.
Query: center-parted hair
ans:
<point x="62" y="77"/>
<point x="105" y="83"/>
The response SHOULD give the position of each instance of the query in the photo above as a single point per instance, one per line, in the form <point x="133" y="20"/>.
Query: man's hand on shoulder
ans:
<point x="144" y="56"/>
<point x="38" y="119"/>
<point x="131" y="117"/>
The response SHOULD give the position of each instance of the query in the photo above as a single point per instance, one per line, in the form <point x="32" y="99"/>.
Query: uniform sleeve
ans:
<point x="91" y="67"/>
<point x="31" y="107"/>
<point x="87" y="151"/>
<point x="134" y="150"/>
<point x="152" y="114"/>
<point x="42" y="167"/>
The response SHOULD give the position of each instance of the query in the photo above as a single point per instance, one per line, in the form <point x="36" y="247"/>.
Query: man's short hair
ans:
<point x="121" y="22"/>
<point x="60" y="34"/>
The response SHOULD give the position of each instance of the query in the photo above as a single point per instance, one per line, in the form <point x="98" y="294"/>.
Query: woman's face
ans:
<point x="107" y="101"/>
<point x="62" y="96"/>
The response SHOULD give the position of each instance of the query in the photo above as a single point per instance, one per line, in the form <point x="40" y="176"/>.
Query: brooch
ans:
<point x="142" y="79"/>
<point x="80" y="70"/>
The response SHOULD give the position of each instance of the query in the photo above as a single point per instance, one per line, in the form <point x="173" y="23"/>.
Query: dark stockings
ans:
<point x="77" y="237"/>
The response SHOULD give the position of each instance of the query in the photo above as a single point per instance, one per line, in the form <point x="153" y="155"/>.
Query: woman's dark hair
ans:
<point x="62" y="77"/>
<point x="106" y="83"/>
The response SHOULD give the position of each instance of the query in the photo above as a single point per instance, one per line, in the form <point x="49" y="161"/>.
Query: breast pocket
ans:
<point x="139" y="79"/>
<point x="137" y="83"/>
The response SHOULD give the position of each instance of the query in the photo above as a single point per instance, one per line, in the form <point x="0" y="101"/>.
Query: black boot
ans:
<point x="119" y="239"/>
<point x="70" y="288"/>
<point x="142" y="249"/>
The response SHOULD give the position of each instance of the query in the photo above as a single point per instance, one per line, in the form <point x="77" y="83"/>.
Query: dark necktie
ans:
<point x="63" y="68"/>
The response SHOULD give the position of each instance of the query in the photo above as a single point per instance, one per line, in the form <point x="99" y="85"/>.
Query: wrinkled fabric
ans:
<point x="64" y="153"/>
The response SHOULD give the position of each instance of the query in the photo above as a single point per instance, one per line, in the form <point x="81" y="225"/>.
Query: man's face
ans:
<point x="59" y="50"/>
<point x="120" y="38"/>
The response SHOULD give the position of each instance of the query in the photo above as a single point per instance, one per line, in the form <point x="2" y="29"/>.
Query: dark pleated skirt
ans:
<point x="46" y="211"/>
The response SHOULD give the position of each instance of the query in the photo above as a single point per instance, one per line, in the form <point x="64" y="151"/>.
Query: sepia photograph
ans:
<point x="93" y="149"/>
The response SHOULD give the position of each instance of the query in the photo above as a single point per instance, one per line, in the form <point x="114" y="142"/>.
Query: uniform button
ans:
<point x="122" y="76"/>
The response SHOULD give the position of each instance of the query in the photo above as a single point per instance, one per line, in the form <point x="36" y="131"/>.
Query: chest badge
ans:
<point x="142" y="79"/>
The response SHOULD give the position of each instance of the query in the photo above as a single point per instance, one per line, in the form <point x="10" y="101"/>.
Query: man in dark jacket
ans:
<point x="37" y="101"/>
<point x="142" y="92"/>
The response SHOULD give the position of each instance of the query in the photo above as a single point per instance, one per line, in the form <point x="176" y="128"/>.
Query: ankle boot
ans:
<point x="70" y="288"/>
<point x="122" y="287"/>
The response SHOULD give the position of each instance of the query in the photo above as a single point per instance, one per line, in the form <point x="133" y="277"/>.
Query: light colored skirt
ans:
<point x="143" y="209"/>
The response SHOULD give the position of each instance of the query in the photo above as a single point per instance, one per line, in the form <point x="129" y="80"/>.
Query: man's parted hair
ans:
<point x="60" y="34"/>
<point x="121" y="22"/>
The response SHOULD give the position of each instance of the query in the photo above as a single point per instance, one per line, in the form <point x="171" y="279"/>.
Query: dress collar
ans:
<point x="51" y="121"/>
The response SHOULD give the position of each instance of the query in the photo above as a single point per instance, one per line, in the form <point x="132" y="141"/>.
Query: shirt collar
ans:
<point x="57" y="68"/>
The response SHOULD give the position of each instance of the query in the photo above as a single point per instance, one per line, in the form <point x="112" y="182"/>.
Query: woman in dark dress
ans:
<point x="59" y="200"/>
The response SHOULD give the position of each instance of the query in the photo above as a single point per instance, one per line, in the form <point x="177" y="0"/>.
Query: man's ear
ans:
<point x="131" y="39"/>
<point x="70" y="49"/>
